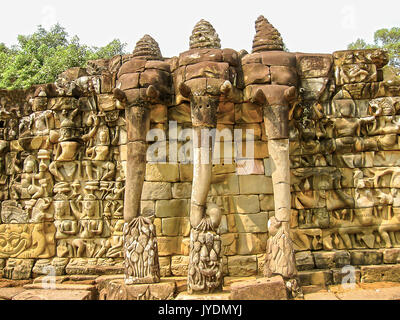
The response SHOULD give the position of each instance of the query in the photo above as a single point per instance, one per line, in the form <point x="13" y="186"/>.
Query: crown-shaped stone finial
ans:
<point x="204" y="36"/>
<point x="147" y="48"/>
<point x="267" y="38"/>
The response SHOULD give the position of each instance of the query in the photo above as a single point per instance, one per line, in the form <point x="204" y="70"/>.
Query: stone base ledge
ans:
<point x="118" y="290"/>
<point x="260" y="289"/>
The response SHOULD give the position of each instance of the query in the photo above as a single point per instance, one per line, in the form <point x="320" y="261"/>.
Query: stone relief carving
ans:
<point x="73" y="179"/>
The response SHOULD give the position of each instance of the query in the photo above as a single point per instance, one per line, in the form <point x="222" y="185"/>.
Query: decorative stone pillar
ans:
<point x="276" y="96"/>
<point x="204" y="91"/>
<point x="140" y="242"/>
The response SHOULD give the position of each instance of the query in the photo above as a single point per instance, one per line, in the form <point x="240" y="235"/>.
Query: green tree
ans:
<point x="388" y="39"/>
<point x="41" y="57"/>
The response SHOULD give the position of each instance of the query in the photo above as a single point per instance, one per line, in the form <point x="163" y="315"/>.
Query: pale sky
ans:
<point x="314" y="26"/>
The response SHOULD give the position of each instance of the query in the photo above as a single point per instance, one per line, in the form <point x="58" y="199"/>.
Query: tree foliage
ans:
<point x="388" y="39"/>
<point x="41" y="57"/>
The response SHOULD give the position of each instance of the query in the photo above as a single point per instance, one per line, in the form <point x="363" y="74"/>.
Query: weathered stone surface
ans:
<point x="259" y="289"/>
<point x="156" y="191"/>
<point x="172" y="208"/>
<point x="18" y="269"/>
<point x="251" y="223"/>
<point x="39" y="294"/>
<point x="175" y="226"/>
<point x="391" y="256"/>
<point x="247" y="204"/>
<point x="118" y="290"/>
<point x="304" y="261"/>
<point x="205" y="296"/>
<point x="341" y="275"/>
<point x="181" y="190"/>
<point x="327" y="260"/>
<point x="84" y="267"/>
<point x="9" y="293"/>
<point x="242" y="265"/>
<point x="364" y="257"/>
<point x="256" y="73"/>
<point x="315" y="277"/>
<point x="380" y="273"/>
<point x="179" y="265"/>
<point x="314" y="65"/>
<point x="162" y="172"/>
<point x="321" y="296"/>
<point x="249" y="243"/>
<point x="255" y="184"/>
<point x="168" y="246"/>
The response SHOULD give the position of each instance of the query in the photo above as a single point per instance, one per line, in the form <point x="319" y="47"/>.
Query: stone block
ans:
<point x="179" y="265"/>
<point x="242" y="266"/>
<point x="9" y="293"/>
<point x="249" y="167"/>
<point x="267" y="202"/>
<point x="261" y="264"/>
<point x="208" y="69"/>
<point x="106" y="102"/>
<point x="256" y="73"/>
<point x="175" y="226"/>
<point x="282" y="75"/>
<point x="165" y="266"/>
<point x="40" y="294"/>
<point x="118" y="290"/>
<point x="247" y="204"/>
<point x="156" y="191"/>
<point x="259" y="289"/>
<point x="278" y="58"/>
<point x="172" y="208"/>
<point x="248" y="112"/>
<point x="182" y="190"/>
<point x="314" y="65"/>
<point x="18" y="269"/>
<point x="186" y="172"/>
<point x="227" y="184"/>
<point x="251" y="223"/>
<point x="391" y="256"/>
<point x="252" y="150"/>
<point x="340" y="274"/>
<point x="148" y="207"/>
<point x="229" y="244"/>
<point x="316" y="277"/>
<point x="365" y="257"/>
<point x="132" y="66"/>
<point x="250" y="244"/>
<point x="255" y="184"/>
<point x="168" y="246"/>
<point x="327" y="260"/>
<point x="380" y="273"/>
<point x="162" y="172"/>
<point x="304" y="260"/>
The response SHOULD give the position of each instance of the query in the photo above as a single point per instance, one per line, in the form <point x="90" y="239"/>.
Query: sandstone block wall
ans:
<point x="63" y="156"/>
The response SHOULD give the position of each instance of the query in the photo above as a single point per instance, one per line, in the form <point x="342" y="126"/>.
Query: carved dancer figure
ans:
<point x="205" y="263"/>
<point x="140" y="242"/>
<point x="276" y="97"/>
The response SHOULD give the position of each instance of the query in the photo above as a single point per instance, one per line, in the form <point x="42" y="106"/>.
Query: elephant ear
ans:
<point x="119" y="95"/>
<point x="291" y="94"/>
<point x="152" y="93"/>
<point x="259" y="98"/>
<point x="185" y="90"/>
